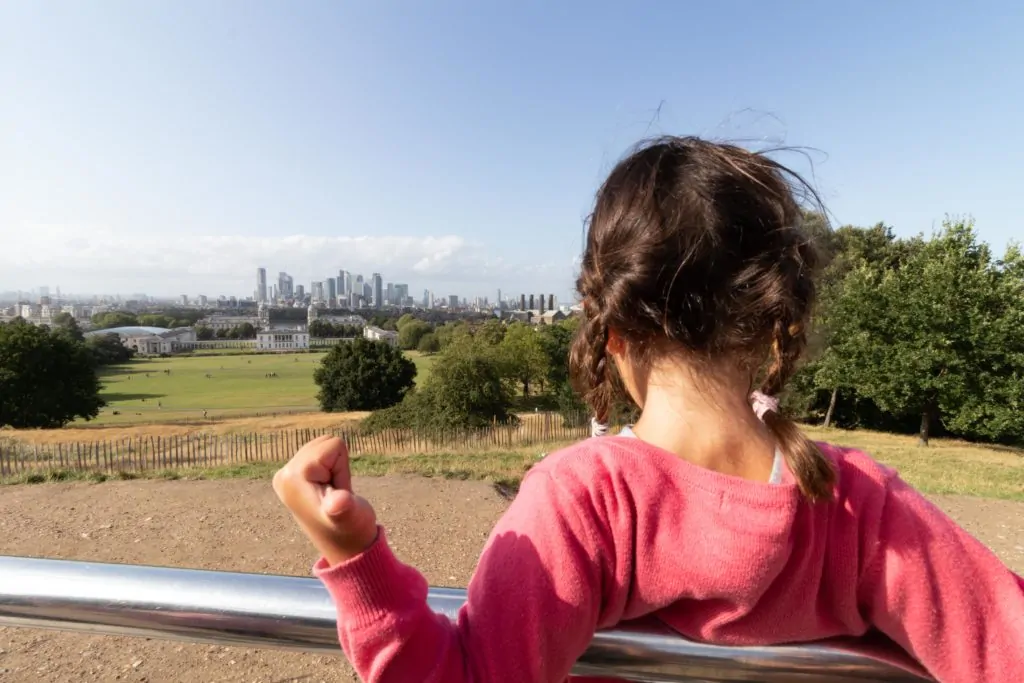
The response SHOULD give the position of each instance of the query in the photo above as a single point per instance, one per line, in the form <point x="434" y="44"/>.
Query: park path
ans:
<point x="439" y="526"/>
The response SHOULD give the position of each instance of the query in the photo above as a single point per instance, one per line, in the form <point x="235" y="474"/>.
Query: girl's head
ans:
<point x="695" y="253"/>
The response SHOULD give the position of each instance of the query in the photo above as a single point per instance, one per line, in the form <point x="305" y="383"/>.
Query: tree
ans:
<point x="156" y="320"/>
<point x="846" y="249"/>
<point x="404" y="320"/>
<point x="246" y="331"/>
<point x="428" y="344"/>
<point x="363" y="375"/>
<point x="321" y="329"/>
<point x="65" y="323"/>
<point x="491" y="332"/>
<point x="444" y="334"/>
<point x="107" y="349"/>
<point x="46" y="378"/>
<point x="103" y="321"/>
<point x="993" y="407"/>
<point x="204" y="333"/>
<point x="556" y="340"/>
<point x="410" y="333"/>
<point x="523" y="355"/>
<point x="464" y="390"/>
<point x="933" y="337"/>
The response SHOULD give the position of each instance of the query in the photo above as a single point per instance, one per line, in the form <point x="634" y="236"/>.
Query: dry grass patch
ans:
<point x="241" y="425"/>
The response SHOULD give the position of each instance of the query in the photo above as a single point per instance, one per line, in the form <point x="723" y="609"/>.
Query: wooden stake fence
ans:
<point x="199" y="449"/>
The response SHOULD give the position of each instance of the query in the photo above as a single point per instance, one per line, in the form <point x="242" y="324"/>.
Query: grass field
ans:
<point x="946" y="466"/>
<point x="224" y="386"/>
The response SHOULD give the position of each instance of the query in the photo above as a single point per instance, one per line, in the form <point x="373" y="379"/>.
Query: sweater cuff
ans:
<point x="371" y="585"/>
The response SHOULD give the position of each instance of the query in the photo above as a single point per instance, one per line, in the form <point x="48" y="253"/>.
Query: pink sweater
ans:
<point x="614" y="529"/>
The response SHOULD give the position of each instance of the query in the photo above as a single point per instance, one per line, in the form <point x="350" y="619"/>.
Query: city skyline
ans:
<point x="324" y="292"/>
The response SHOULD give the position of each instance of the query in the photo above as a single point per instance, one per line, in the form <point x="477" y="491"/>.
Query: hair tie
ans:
<point x="597" y="428"/>
<point x="763" y="403"/>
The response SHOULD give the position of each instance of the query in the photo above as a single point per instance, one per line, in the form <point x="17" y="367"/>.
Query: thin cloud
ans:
<point x="102" y="260"/>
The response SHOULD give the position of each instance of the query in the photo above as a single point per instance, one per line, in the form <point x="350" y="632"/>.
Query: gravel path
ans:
<point x="437" y="525"/>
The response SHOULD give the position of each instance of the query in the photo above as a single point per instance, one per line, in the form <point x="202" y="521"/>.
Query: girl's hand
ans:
<point x="316" y="487"/>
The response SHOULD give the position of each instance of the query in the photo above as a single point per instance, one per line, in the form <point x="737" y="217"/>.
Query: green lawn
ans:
<point x="237" y="386"/>
<point x="423" y="363"/>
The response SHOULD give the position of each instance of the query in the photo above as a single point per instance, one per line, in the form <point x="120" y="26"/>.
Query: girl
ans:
<point x="721" y="521"/>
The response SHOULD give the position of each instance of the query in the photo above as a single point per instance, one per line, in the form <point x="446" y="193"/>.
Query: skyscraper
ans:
<point x="402" y="294"/>
<point x="284" y="285"/>
<point x="261" y="284"/>
<point x="389" y="294"/>
<point x="332" y="291"/>
<point x="453" y="302"/>
<point x="378" y="290"/>
<point x="344" y="283"/>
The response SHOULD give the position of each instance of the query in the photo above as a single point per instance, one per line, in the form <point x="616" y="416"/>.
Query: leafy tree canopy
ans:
<point x="934" y="331"/>
<point x="428" y="344"/>
<point x="524" y="356"/>
<point x="363" y="375"/>
<point x="47" y="379"/>
<point x="410" y="333"/>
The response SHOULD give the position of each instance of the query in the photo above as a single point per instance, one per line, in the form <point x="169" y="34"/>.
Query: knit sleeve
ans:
<point x="533" y="604"/>
<point x="941" y="595"/>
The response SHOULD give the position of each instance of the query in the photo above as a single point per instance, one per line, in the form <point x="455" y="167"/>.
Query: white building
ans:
<point x="154" y="341"/>
<point x="343" y="319"/>
<point x="282" y="340"/>
<point x="377" y="334"/>
<point x="226" y="322"/>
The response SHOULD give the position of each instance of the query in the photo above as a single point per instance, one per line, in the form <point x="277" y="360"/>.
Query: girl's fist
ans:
<point x="316" y="487"/>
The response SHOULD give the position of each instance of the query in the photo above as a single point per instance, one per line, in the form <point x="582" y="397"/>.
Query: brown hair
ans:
<point x="696" y="246"/>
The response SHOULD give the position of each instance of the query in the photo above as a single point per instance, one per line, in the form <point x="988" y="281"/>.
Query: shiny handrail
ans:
<point x="259" y="610"/>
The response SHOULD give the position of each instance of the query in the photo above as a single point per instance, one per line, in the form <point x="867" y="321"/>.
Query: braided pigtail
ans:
<point x="588" y="363"/>
<point x="814" y="472"/>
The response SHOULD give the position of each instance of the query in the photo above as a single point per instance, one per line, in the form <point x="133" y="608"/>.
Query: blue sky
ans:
<point x="172" y="147"/>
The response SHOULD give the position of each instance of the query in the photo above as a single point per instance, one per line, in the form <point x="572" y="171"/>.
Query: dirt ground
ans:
<point x="437" y="525"/>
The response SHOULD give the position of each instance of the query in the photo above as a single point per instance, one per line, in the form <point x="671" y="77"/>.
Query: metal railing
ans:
<point x="258" y="610"/>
